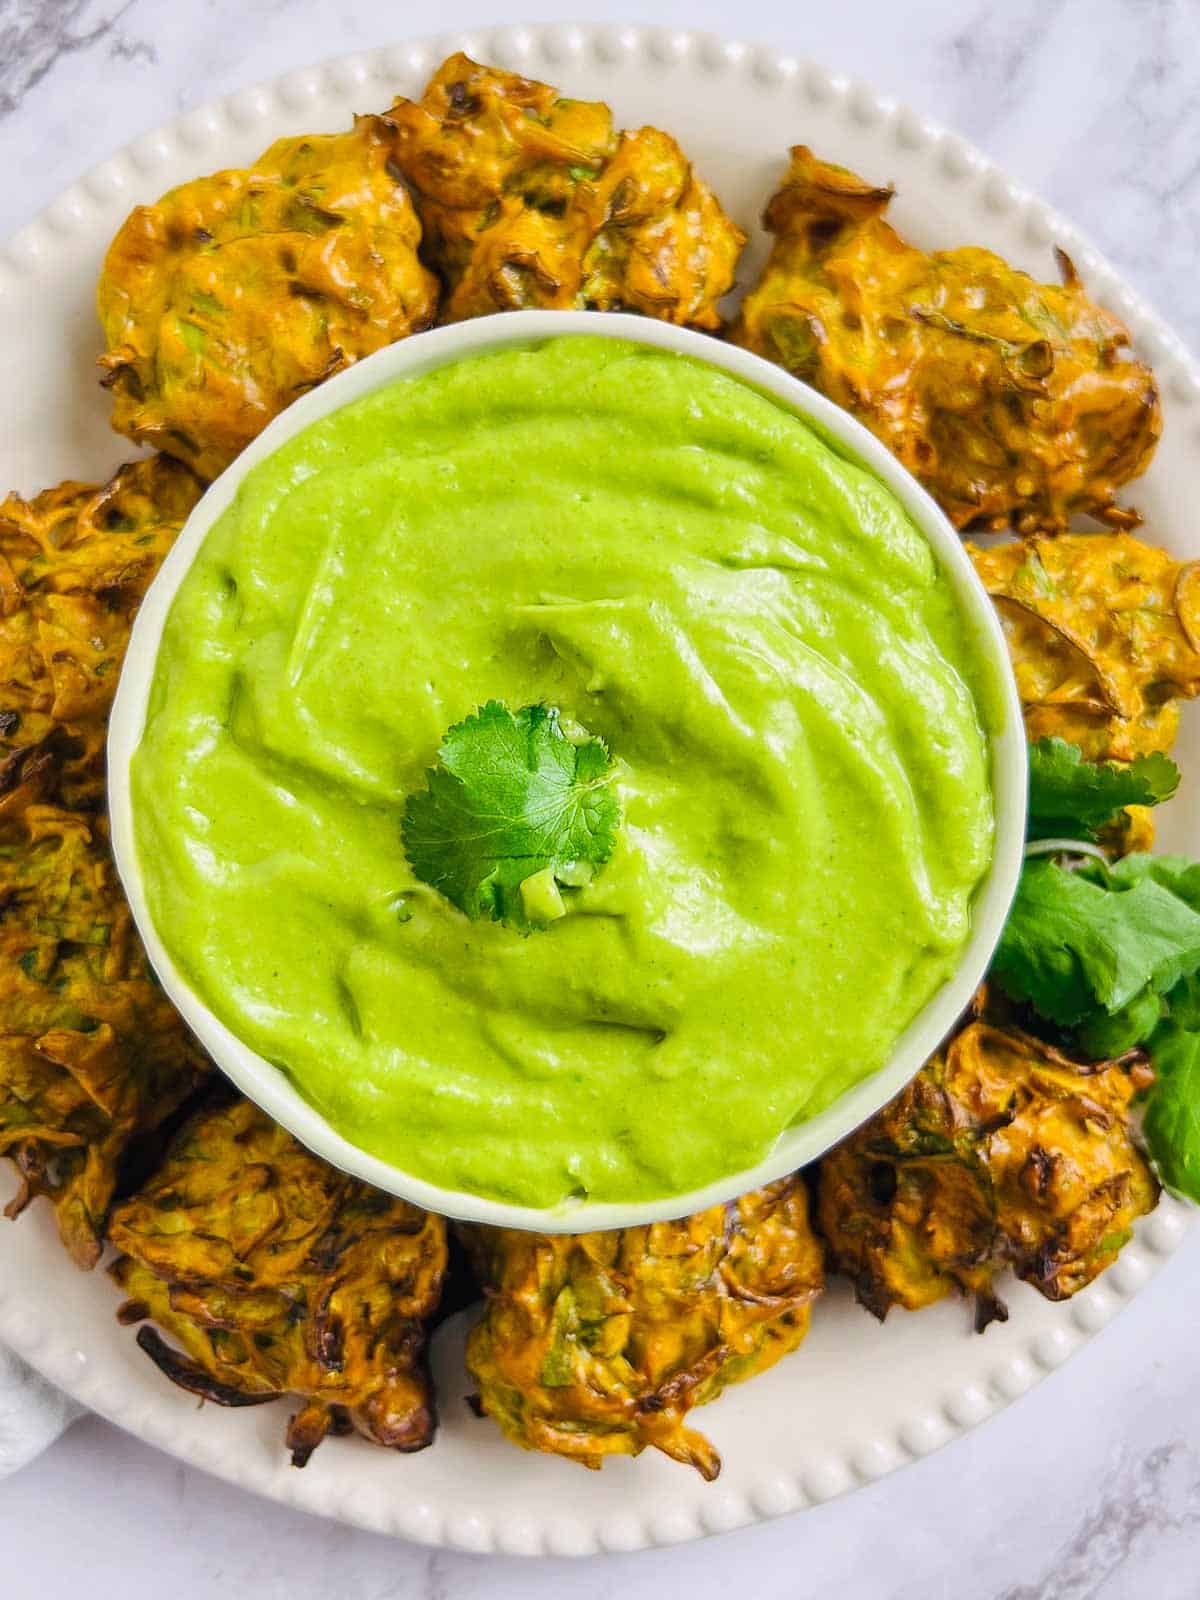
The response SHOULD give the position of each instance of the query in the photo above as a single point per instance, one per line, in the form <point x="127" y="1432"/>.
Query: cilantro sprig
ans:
<point x="1073" y="798"/>
<point x="515" y="808"/>
<point x="1106" y="955"/>
<point x="1078" y="943"/>
<point x="1172" y="1124"/>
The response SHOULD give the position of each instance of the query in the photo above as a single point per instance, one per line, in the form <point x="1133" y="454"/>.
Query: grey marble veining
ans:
<point x="1089" y="1488"/>
<point x="35" y="35"/>
<point x="1147" y="1499"/>
<point x="1098" y="106"/>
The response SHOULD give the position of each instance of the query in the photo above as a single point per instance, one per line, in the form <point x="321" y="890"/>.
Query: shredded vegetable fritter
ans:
<point x="528" y="199"/>
<point x="1002" y="1152"/>
<point x="1104" y="633"/>
<point x="279" y="1275"/>
<point x="1014" y="402"/>
<point x="92" y="1054"/>
<point x="599" y="1344"/>
<point x="233" y="294"/>
<point x="74" y="564"/>
<point x="93" y="1058"/>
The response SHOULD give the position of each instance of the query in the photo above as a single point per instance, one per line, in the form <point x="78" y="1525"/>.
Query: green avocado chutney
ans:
<point x="795" y="707"/>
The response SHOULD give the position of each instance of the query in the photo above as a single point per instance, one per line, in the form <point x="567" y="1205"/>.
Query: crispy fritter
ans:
<point x="279" y="1275"/>
<point x="599" y="1344"/>
<point x="1014" y="402"/>
<point x="235" y="293"/>
<point x="74" y="565"/>
<point x="92" y="1054"/>
<point x="528" y="199"/>
<point x="1104" y="633"/>
<point x="1002" y="1152"/>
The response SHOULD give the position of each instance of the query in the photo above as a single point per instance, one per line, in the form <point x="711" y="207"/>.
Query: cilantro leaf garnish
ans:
<point x="514" y="808"/>
<point x="1176" y="873"/>
<point x="1172" y="1124"/>
<point x="1072" y="947"/>
<point x="1073" y="798"/>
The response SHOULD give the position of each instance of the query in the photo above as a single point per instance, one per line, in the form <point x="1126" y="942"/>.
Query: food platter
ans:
<point x="860" y="1399"/>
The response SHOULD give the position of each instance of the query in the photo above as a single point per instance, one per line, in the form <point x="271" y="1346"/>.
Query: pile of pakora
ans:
<point x="255" y="1270"/>
<point x="93" y="1058"/>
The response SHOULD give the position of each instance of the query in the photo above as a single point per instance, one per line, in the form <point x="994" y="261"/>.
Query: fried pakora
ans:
<point x="1002" y="1152"/>
<point x="599" y="1344"/>
<point x="93" y="1058"/>
<point x="1016" y="403"/>
<point x="528" y="199"/>
<point x="279" y="1275"/>
<point x="92" y="1054"/>
<point x="1104" y="633"/>
<point x="235" y="293"/>
<point x="75" y="562"/>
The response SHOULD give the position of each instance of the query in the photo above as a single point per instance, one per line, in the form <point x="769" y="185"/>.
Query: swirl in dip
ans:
<point x="794" y="705"/>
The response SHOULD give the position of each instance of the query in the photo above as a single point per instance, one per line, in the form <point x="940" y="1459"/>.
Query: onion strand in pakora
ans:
<point x="599" y="1344"/>
<point x="278" y="1275"/>
<point x="233" y="294"/>
<point x="528" y="199"/>
<point x="1002" y="1152"/>
<point x="1014" y="402"/>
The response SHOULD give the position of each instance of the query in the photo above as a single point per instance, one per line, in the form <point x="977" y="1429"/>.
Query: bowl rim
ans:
<point x="797" y="1146"/>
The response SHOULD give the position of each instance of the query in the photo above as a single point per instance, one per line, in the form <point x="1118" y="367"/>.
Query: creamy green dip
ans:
<point x="791" y="696"/>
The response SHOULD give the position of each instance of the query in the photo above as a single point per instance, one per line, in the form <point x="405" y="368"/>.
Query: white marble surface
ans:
<point x="1090" y="1487"/>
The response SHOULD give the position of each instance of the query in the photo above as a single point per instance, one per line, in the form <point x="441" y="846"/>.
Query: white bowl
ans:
<point x="796" y="1146"/>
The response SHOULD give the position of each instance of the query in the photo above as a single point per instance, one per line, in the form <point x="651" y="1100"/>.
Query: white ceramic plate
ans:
<point x="858" y="1400"/>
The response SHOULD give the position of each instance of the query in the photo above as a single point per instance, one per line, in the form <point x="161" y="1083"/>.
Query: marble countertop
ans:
<point x="1087" y="1489"/>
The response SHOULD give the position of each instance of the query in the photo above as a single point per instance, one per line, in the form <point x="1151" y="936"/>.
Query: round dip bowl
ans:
<point x="799" y="1144"/>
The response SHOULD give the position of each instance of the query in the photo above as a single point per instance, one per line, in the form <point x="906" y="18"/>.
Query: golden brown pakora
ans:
<point x="599" y="1344"/>
<point x="279" y="1275"/>
<point x="528" y="199"/>
<point x="93" y="1058"/>
<point x="1104" y="633"/>
<point x="92" y="1054"/>
<point x="1002" y="1152"/>
<point x="75" y="562"/>
<point x="235" y="293"/>
<point x="1016" y="403"/>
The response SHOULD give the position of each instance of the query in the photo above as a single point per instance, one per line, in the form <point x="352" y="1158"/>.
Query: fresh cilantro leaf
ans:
<point x="1184" y="1003"/>
<point x="512" y="799"/>
<point x="1172" y="1123"/>
<point x="1073" y="798"/>
<point x="1102" y="1037"/>
<point x="1176" y="873"/>
<point x="1072" y="947"/>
